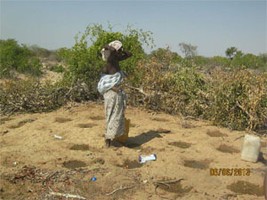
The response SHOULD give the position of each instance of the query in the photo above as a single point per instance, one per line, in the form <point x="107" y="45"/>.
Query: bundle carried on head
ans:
<point x="105" y="52"/>
<point x="116" y="44"/>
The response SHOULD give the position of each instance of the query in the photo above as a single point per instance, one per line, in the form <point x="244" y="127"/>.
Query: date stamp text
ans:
<point x="229" y="171"/>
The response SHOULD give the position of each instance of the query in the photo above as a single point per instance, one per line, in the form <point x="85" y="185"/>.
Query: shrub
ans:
<point x="171" y="89"/>
<point x="238" y="99"/>
<point x="233" y="98"/>
<point x="165" y="56"/>
<point x="30" y="96"/>
<point x="84" y="62"/>
<point x="16" y="57"/>
<point x="57" y="68"/>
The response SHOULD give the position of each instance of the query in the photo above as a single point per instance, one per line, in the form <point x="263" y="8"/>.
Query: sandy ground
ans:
<point x="36" y="165"/>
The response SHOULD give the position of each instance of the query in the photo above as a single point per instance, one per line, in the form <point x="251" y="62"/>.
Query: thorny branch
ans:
<point x="120" y="188"/>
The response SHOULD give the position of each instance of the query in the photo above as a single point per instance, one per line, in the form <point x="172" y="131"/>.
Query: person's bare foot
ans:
<point x="108" y="142"/>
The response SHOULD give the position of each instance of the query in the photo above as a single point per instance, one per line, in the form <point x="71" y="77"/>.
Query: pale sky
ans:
<point x="212" y="25"/>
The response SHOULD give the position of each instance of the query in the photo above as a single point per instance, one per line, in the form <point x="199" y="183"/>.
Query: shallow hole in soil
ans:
<point x="80" y="147"/>
<point x="183" y="145"/>
<point x="243" y="187"/>
<point x="89" y="125"/>
<point x="175" y="188"/>
<point x="97" y="118"/>
<point x="196" y="164"/>
<point x="215" y="133"/>
<point x="130" y="164"/>
<point x="62" y="119"/>
<point x="72" y="164"/>
<point x="227" y="149"/>
<point x="21" y="123"/>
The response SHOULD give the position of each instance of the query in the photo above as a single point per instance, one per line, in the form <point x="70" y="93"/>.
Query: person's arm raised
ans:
<point x="123" y="55"/>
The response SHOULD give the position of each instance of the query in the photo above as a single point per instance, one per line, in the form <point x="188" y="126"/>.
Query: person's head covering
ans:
<point x="116" y="44"/>
<point x="105" y="53"/>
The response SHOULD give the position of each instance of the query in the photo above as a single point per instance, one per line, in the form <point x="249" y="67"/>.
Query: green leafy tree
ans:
<point x="39" y="51"/>
<point x="188" y="50"/>
<point x="263" y="57"/>
<point x="17" y="57"/>
<point x="231" y="52"/>
<point x="166" y="56"/>
<point x="83" y="58"/>
<point x="219" y="61"/>
<point x="252" y="61"/>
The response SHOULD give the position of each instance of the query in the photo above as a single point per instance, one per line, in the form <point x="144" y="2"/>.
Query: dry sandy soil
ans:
<point x="36" y="165"/>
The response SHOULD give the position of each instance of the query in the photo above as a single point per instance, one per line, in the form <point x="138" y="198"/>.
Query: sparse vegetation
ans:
<point x="30" y="96"/>
<point x="231" y="92"/>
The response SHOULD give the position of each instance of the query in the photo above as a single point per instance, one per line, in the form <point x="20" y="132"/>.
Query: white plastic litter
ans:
<point x="58" y="137"/>
<point x="144" y="159"/>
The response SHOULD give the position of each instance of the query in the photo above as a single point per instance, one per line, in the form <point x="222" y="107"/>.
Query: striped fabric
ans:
<point x="108" y="81"/>
<point x="114" y="110"/>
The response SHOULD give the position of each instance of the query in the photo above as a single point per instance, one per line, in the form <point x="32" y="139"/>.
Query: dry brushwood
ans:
<point x="65" y="195"/>
<point x="166" y="183"/>
<point x="120" y="188"/>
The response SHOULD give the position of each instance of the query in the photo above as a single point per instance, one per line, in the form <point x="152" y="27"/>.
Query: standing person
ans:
<point x="110" y="87"/>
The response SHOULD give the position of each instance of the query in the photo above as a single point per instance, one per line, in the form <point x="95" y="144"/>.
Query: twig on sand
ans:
<point x="239" y="137"/>
<point x="66" y="195"/>
<point x="120" y="188"/>
<point x="166" y="183"/>
<point x="50" y="176"/>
